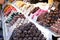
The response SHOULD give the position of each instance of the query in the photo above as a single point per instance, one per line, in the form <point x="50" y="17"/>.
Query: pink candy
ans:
<point x="39" y="12"/>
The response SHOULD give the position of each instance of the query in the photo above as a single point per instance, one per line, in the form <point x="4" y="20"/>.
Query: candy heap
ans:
<point x="27" y="32"/>
<point x="48" y="19"/>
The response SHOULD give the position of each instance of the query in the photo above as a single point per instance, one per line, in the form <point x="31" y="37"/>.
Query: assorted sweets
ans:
<point x="26" y="6"/>
<point x="12" y="17"/>
<point x="16" y="18"/>
<point x="8" y="9"/>
<point x="56" y="27"/>
<point x="33" y="11"/>
<point x="19" y="3"/>
<point x="51" y="19"/>
<point x="27" y="31"/>
<point x="48" y="19"/>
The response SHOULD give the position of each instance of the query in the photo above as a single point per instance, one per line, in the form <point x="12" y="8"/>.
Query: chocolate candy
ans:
<point x="48" y="19"/>
<point x="56" y="27"/>
<point x="34" y="10"/>
<point x="27" y="31"/>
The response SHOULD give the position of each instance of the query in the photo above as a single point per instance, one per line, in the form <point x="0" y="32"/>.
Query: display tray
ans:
<point x="45" y="30"/>
<point x="53" y="33"/>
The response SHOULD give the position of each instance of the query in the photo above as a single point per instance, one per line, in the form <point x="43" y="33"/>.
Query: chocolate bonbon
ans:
<point x="27" y="31"/>
<point x="49" y="19"/>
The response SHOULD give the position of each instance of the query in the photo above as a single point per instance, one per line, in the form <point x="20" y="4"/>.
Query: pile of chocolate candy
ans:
<point x="27" y="31"/>
<point x="51" y="20"/>
<point x="48" y="19"/>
